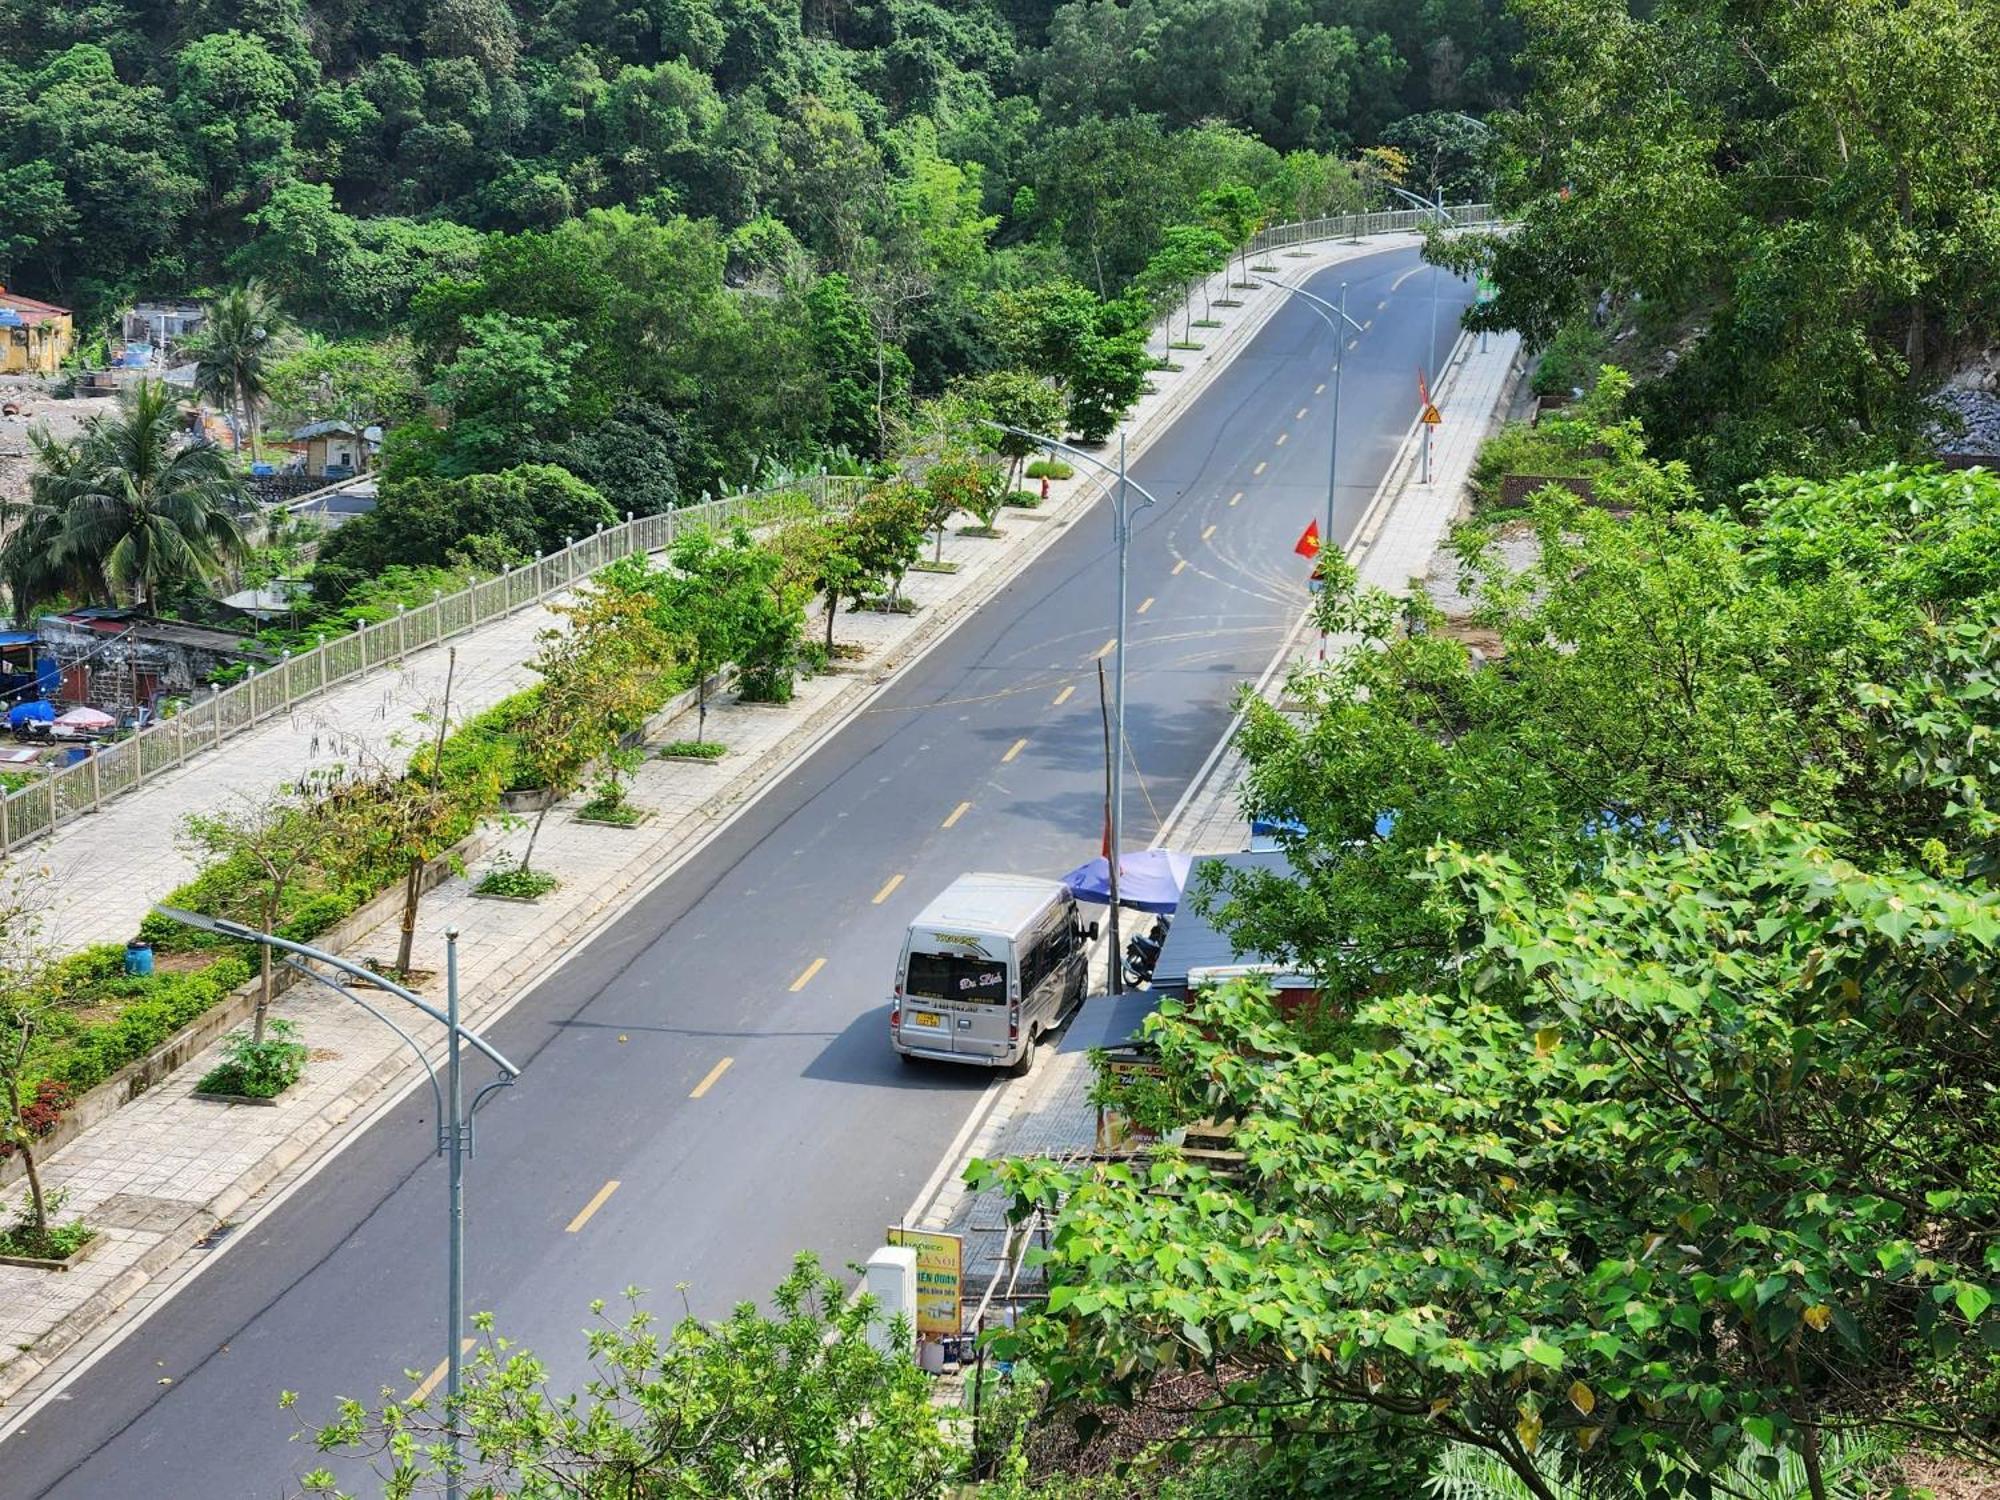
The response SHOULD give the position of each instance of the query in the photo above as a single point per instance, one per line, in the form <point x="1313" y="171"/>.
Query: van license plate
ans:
<point x="927" y="1018"/>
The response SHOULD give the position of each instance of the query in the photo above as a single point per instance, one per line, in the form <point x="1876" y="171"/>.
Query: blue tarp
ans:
<point x="27" y="713"/>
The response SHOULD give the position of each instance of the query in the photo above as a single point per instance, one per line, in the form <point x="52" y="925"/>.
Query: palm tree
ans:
<point x="128" y="506"/>
<point x="243" y="330"/>
<point x="32" y="561"/>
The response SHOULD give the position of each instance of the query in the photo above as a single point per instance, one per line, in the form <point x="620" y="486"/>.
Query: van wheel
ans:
<point x="1025" y="1063"/>
<point x="909" y="1059"/>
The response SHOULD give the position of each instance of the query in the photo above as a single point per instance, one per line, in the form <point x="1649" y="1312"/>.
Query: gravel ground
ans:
<point x="1980" y="411"/>
<point x="36" y="408"/>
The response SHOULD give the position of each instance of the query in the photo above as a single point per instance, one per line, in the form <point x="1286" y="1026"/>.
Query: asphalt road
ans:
<point x="814" y="1135"/>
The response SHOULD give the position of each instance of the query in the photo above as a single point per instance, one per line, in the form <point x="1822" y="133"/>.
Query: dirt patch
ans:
<point x="1951" y="1478"/>
<point x="35" y="407"/>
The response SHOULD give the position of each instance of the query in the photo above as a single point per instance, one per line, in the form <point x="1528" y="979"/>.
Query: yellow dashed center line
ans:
<point x="1261" y="467"/>
<point x="1208" y="533"/>
<point x="883" y="894"/>
<point x="1183" y="562"/>
<point x="1106" y="649"/>
<point x="714" y="1073"/>
<point x="598" y="1200"/>
<point x="430" y="1381"/>
<point x="956" y="813"/>
<point x="1145" y="605"/>
<point x="819" y="963"/>
<point x="1019" y="745"/>
<point x="1063" y="696"/>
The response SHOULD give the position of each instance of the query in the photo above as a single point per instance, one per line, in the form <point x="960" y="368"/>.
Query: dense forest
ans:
<point x="695" y="234"/>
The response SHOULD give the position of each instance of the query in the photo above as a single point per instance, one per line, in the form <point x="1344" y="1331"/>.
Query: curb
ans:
<point x="385" y="1084"/>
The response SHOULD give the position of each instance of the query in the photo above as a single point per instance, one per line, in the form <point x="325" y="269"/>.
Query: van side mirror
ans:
<point x="1088" y="932"/>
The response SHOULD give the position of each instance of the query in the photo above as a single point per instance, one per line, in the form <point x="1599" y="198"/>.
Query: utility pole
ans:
<point x="1124" y="525"/>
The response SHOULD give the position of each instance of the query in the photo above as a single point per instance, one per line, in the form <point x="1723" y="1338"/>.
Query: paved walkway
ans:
<point x="167" y="1168"/>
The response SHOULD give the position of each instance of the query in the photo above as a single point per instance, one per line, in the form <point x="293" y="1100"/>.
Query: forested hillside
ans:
<point x="570" y="200"/>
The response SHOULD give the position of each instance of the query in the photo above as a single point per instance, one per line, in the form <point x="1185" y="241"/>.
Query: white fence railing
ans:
<point x="1359" y="226"/>
<point x="60" y="797"/>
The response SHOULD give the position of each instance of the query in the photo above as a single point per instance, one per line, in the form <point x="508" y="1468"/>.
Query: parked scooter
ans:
<point x="1143" y="952"/>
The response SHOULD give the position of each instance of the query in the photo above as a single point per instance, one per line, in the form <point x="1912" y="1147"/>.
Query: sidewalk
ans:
<point x="167" y="1170"/>
<point x="1049" y="1113"/>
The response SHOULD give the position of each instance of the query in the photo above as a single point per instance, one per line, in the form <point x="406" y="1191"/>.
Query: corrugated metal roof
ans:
<point x="1193" y="942"/>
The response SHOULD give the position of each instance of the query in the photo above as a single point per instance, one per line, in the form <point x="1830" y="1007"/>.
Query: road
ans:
<point x="813" y="1134"/>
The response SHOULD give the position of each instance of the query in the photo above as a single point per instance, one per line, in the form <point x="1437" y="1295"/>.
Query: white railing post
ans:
<point x="402" y="649"/>
<point x="215" y="713"/>
<point x="285" y="668"/>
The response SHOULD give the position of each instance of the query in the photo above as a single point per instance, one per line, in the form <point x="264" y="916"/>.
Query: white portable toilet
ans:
<point x="892" y="1282"/>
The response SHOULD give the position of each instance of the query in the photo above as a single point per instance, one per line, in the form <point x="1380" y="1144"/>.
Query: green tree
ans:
<point x="798" y="1403"/>
<point x="240" y="335"/>
<point x="507" y="385"/>
<point x="266" y="848"/>
<point x="27" y="1002"/>
<point x="1059" y="330"/>
<point x="1802" y="187"/>
<point x="704" y="597"/>
<point x="127" y="506"/>
<point x="358" y="381"/>
<point x="1605" y="1187"/>
<point x="1020" y="400"/>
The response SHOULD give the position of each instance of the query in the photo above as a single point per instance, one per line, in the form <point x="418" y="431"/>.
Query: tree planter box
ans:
<point x="985" y="533"/>
<point x="928" y="566"/>
<point x="706" y="760"/>
<point x="741" y="702"/>
<point x="639" y="814"/>
<point x="513" y="900"/>
<point x="528" y="799"/>
<point x="241" y="1098"/>
<point x="67" y="1263"/>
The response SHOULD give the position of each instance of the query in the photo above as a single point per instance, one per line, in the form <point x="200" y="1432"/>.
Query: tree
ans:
<point x="1800" y="186"/>
<point x="243" y="329"/>
<point x="602" y="674"/>
<point x="704" y="597"/>
<point x="127" y="505"/>
<point x="1060" y="331"/>
<point x="507" y="385"/>
<point x="799" y="1403"/>
<point x="1685" y="1159"/>
<point x="256" y="853"/>
<point x="25" y="1002"/>
<point x="1019" y="399"/>
<point x="357" y="381"/>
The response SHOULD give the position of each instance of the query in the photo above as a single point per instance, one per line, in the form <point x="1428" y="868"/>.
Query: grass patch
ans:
<point x="257" y="1070"/>
<point x="1048" y="468"/>
<point x="517" y="883"/>
<point x="988" y="532"/>
<point x="57" y="1242"/>
<point x="1264" y="268"/>
<point x="618" y="812"/>
<point x="1186" y="344"/>
<point x="692" y="750"/>
<point x="1207" y="323"/>
<point x="926" y="565"/>
<point x="1023" y="500"/>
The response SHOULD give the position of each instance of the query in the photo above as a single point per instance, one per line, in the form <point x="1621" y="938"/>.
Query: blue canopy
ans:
<point x="29" y="713"/>
<point x="1149" y="880"/>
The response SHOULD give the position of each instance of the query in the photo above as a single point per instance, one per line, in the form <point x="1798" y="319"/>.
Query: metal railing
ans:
<point x="1358" y="226"/>
<point x="205" y="724"/>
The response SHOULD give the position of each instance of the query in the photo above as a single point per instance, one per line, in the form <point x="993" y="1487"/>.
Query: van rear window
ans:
<point x="951" y="976"/>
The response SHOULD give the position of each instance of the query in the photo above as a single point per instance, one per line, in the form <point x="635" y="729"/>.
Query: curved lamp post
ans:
<point x="1329" y="312"/>
<point x="1122" y="533"/>
<point x="454" y="1117"/>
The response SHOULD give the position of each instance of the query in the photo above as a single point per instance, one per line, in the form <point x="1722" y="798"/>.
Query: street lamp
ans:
<point x="1328" y="312"/>
<point x="1430" y="354"/>
<point x="454" y="1129"/>
<point x="1122" y="531"/>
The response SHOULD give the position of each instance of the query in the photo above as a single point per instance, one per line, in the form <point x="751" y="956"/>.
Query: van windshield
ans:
<point x="951" y="976"/>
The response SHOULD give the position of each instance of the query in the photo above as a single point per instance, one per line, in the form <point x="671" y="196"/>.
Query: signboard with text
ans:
<point x="940" y="1277"/>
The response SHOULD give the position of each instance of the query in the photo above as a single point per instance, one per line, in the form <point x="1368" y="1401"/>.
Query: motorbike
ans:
<point x="1143" y="952"/>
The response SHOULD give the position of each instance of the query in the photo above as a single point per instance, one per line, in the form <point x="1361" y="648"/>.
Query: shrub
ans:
<point x="258" y="1070"/>
<point x="1571" y="361"/>
<point x="1048" y="468"/>
<point x="693" y="750"/>
<point x="512" y="880"/>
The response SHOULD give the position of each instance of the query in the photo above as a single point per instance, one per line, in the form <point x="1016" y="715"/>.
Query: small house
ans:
<point x="334" y="449"/>
<point x="158" y="327"/>
<point x="119" y="659"/>
<point x="35" y="337"/>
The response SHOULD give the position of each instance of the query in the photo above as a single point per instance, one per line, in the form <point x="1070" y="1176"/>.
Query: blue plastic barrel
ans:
<point x="139" y="959"/>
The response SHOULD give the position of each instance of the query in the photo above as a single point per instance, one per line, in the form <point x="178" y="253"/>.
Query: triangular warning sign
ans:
<point x="1432" y="416"/>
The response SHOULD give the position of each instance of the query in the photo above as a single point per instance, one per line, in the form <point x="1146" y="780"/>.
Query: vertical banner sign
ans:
<point x="940" y="1277"/>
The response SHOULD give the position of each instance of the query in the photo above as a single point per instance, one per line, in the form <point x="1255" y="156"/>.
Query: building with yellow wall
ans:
<point x="35" y="337"/>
